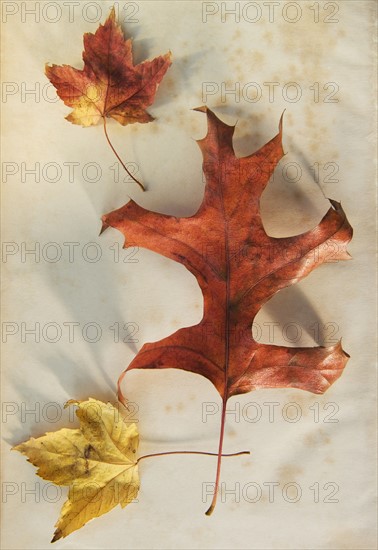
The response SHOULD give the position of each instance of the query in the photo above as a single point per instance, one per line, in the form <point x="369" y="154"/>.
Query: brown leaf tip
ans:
<point x="339" y="347"/>
<point x="112" y="13"/>
<point x="168" y="56"/>
<point x="210" y="510"/>
<point x="57" y="535"/>
<point x="104" y="226"/>
<point x="202" y="109"/>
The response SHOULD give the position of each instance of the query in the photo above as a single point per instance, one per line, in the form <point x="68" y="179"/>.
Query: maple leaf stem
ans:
<point x="119" y="158"/>
<point x="192" y="453"/>
<point x="219" y="454"/>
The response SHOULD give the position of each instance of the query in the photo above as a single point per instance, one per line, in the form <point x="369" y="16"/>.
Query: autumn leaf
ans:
<point x="238" y="268"/>
<point x="97" y="462"/>
<point x="110" y="85"/>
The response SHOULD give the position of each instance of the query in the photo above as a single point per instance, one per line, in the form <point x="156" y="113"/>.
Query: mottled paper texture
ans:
<point x="77" y="307"/>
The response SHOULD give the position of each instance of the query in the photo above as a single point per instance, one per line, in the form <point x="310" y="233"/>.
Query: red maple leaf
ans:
<point x="110" y="85"/>
<point x="239" y="268"/>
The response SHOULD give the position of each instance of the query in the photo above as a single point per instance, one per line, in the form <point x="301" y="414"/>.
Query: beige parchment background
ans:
<point x="320" y="55"/>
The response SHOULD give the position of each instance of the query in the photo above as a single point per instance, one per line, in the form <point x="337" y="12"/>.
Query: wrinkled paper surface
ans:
<point x="77" y="307"/>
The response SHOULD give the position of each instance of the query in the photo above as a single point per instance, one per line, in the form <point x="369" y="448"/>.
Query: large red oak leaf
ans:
<point x="239" y="268"/>
<point x="110" y="85"/>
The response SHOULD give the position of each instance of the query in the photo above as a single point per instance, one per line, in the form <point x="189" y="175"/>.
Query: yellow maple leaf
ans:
<point x="97" y="461"/>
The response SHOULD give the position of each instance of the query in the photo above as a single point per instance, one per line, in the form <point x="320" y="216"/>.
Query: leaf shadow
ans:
<point x="292" y="303"/>
<point x="25" y="422"/>
<point x="77" y="364"/>
<point x="142" y="48"/>
<point x="182" y="68"/>
<point x="307" y="165"/>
